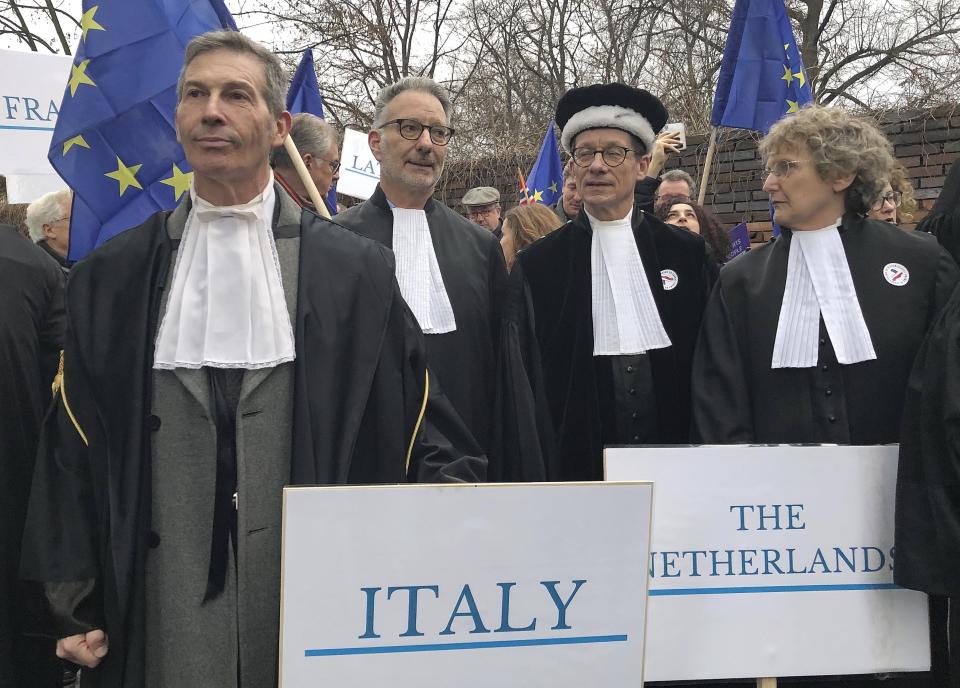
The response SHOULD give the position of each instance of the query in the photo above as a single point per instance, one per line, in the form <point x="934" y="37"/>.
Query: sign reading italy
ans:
<point x="774" y="561"/>
<point x="465" y="585"/>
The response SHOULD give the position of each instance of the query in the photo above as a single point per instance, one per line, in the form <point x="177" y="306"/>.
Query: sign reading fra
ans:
<point x="514" y="581"/>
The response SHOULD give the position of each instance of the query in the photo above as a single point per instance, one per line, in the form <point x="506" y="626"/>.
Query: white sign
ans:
<point x="359" y="170"/>
<point x="31" y="88"/>
<point x="425" y="586"/>
<point x="774" y="561"/>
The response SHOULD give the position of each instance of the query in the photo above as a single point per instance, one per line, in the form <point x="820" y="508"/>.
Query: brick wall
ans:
<point x="926" y="142"/>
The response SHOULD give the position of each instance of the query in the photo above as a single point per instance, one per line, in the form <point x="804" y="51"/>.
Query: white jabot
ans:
<point x="819" y="281"/>
<point x="226" y="307"/>
<point x="418" y="272"/>
<point x="625" y="316"/>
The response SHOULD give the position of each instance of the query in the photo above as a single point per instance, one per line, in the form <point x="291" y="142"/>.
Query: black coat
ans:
<point x="359" y="392"/>
<point x="31" y="335"/>
<point x="549" y="392"/>
<point x="738" y="398"/>
<point x="475" y="277"/>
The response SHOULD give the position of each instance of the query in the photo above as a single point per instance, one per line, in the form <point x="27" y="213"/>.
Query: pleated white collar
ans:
<point x="819" y="281"/>
<point x="418" y="271"/>
<point x="625" y="315"/>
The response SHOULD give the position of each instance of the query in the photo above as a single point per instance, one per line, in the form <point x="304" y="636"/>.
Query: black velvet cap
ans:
<point x="581" y="99"/>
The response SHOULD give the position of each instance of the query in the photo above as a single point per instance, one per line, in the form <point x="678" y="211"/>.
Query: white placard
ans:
<point x="31" y="88"/>
<point x="774" y="561"/>
<point x="24" y="188"/>
<point x="359" y="170"/>
<point x="516" y="585"/>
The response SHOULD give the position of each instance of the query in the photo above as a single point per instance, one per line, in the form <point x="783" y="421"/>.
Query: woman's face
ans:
<point x="682" y="215"/>
<point x="508" y="244"/>
<point x="885" y="209"/>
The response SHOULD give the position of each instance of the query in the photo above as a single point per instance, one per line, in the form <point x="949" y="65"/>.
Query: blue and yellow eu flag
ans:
<point x="115" y="144"/>
<point x="545" y="181"/>
<point x="761" y="76"/>
<point x="304" y="96"/>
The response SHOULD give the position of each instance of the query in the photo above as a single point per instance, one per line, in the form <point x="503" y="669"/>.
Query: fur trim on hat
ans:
<point x="608" y="116"/>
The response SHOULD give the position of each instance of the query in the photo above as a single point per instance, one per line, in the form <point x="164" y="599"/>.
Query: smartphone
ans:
<point x="680" y="128"/>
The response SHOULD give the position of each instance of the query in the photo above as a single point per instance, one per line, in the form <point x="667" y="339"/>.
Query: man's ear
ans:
<point x="374" y="137"/>
<point x="48" y="232"/>
<point x="307" y="159"/>
<point x="284" y="122"/>
<point x="643" y="164"/>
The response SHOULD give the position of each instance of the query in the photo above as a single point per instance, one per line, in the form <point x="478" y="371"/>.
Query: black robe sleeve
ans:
<point x="442" y="449"/>
<point x="522" y="431"/>
<point x="721" y="410"/>
<point x="60" y="538"/>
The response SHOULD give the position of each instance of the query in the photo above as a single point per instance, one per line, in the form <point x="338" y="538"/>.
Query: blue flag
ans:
<point x="115" y="144"/>
<point x="304" y="96"/>
<point x="545" y="181"/>
<point x="761" y="76"/>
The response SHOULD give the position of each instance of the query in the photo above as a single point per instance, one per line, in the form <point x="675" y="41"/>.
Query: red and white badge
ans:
<point x="896" y="274"/>
<point x="669" y="279"/>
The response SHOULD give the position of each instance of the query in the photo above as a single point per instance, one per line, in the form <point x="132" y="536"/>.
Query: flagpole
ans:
<point x="711" y="148"/>
<point x="305" y="177"/>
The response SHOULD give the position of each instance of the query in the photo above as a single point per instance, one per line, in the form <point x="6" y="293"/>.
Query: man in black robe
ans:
<point x="183" y="410"/>
<point x="31" y="335"/>
<point x="614" y="297"/>
<point x="451" y="271"/>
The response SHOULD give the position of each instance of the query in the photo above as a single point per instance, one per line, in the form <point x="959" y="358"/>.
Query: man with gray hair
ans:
<point x="48" y="219"/>
<point x="216" y="354"/>
<point x="451" y="271"/>
<point x="675" y="186"/>
<point x="319" y="148"/>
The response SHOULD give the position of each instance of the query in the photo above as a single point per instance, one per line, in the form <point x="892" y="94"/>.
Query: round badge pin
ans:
<point x="669" y="279"/>
<point x="896" y="274"/>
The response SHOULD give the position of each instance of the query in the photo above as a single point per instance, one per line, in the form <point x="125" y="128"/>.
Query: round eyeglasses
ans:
<point x="613" y="156"/>
<point x="412" y="130"/>
<point x="894" y="198"/>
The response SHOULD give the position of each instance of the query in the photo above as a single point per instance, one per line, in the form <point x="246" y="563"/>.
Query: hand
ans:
<point x="85" y="649"/>
<point x="665" y="141"/>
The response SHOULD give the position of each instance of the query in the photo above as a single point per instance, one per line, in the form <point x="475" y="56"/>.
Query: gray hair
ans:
<point x="46" y="210"/>
<point x="411" y="83"/>
<point x="311" y="135"/>
<point x="275" y="88"/>
<point x="680" y="176"/>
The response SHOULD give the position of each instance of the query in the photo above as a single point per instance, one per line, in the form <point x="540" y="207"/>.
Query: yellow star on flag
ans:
<point x="786" y="46"/>
<point x="801" y="77"/>
<point x="537" y="197"/>
<point x="180" y="181"/>
<point x="125" y="175"/>
<point x="88" y="23"/>
<point x="553" y="187"/>
<point x="77" y="140"/>
<point x="78" y="75"/>
<point x="787" y="75"/>
<point x="793" y="106"/>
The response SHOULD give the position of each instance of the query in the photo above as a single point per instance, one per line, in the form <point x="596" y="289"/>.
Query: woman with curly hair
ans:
<point x="896" y="204"/>
<point x="523" y="225"/>
<point x="698" y="220"/>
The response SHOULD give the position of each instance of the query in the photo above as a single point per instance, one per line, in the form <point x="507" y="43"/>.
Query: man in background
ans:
<point x="48" y="219"/>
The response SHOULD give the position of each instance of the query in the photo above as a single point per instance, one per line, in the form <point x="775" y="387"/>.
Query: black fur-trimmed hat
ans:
<point x="614" y="106"/>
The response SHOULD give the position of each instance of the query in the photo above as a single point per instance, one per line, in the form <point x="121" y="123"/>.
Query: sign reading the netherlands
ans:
<point x="438" y="586"/>
<point x="774" y="561"/>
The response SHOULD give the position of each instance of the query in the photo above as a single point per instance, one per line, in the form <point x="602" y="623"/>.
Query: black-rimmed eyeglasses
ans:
<point x="412" y="130"/>
<point x="613" y="156"/>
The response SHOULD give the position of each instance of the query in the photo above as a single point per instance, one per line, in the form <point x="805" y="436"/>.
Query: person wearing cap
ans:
<point x="451" y="272"/>
<point x="483" y="207"/>
<point x="615" y="297"/>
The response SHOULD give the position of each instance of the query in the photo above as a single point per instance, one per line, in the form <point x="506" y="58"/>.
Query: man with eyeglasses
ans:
<point x="616" y="297"/>
<point x="451" y="271"/>
<point x="483" y="208"/>
<point x="317" y="142"/>
<point x="48" y="219"/>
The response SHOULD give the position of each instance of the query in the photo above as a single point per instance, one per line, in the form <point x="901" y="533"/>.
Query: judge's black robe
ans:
<point x="739" y="398"/>
<point x="560" y="403"/>
<point x="475" y="276"/>
<point x="361" y="388"/>
<point x="31" y="335"/>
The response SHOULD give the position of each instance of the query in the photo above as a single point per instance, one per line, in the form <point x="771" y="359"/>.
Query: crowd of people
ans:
<point x="404" y="342"/>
